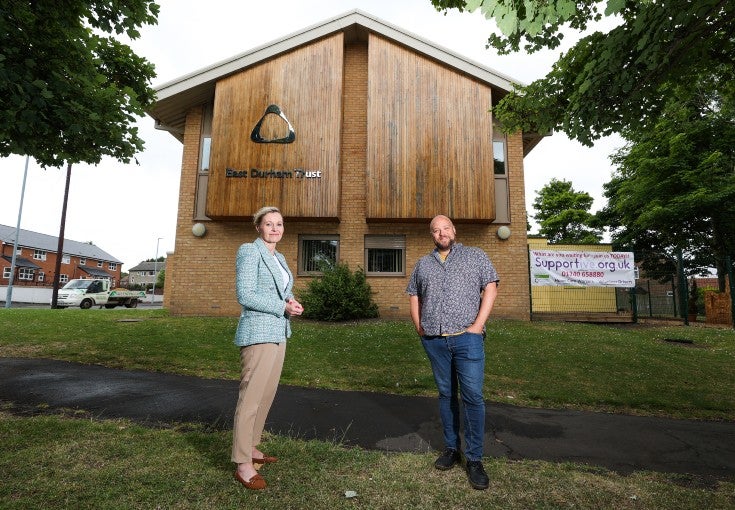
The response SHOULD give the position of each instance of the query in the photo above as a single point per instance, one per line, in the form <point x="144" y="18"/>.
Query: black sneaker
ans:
<point x="476" y="474"/>
<point x="448" y="459"/>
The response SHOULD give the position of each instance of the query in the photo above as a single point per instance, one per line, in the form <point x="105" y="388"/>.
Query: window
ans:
<point x="499" y="156"/>
<point x="25" y="273"/>
<point x="6" y="273"/>
<point x="41" y="276"/>
<point x="82" y="261"/>
<point x="315" y="251"/>
<point x="385" y="255"/>
<point x="100" y="263"/>
<point x="19" y="251"/>
<point x="39" y="254"/>
<point x="65" y="258"/>
<point x="205" y="150"/>
<point x="112" y="266"/>
<point x="63" y="278"/>
<point x="500" y="170"/>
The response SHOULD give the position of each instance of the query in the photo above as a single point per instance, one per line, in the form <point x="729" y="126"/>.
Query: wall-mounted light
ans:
<point x="199" y="229"/>
<point x="503" y="232"/>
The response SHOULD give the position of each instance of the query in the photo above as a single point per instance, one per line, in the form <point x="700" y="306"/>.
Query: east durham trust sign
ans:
<point x="255" y="173"/>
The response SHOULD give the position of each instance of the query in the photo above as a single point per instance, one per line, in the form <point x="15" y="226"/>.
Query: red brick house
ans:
<point x="35" y="261"/>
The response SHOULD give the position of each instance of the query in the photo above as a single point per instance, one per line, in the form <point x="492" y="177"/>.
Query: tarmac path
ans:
<point x="377" y="421"/>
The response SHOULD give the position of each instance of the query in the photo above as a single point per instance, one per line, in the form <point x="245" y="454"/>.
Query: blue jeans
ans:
<point x="458" y="363"/>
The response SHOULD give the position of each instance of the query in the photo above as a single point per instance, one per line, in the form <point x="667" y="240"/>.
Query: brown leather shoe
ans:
<point x="256" y="483"/>
<point x="265" y="460"/>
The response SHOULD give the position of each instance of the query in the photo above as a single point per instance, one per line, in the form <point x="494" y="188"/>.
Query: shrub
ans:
<point x="339" y="294"/>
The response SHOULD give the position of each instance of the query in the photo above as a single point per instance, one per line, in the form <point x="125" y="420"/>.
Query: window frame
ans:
<point x="314" y="237"/>
<point x="385" y="242"/>
<point x="501" y="184"/>
<point x="26" y="274"/>
<point x="205" y="153"/>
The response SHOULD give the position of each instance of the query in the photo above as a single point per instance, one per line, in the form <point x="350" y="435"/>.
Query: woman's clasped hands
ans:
<point x="293" y="307"/>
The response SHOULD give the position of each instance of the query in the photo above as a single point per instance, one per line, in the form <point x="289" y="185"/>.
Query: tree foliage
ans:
<point x="564" y="214"/>
<point x="608" y="81"/>
<point x="674" y="187"/>
<point x="71" y="90"/>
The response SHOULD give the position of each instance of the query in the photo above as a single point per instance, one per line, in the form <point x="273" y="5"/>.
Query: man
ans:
<point x="451" y="292"/>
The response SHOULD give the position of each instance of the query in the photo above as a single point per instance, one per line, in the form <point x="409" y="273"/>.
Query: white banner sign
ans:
<point x="582" y="268"/>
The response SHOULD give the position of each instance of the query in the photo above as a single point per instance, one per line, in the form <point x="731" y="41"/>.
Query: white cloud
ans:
<point x="124" y="209"/>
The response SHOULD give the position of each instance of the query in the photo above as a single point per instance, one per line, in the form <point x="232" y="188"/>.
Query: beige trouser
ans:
<point x="261" y="369"/>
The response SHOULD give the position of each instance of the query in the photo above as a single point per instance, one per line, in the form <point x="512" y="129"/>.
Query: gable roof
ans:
<point x="149" y="266"/>
<point x="176" y="97"/>
<point x="34" y="240"/>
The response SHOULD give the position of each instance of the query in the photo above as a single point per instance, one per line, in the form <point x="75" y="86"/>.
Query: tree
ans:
<point x="674" y="187"/>
<point x="610" y="81"/>
<point x="161" y="279"/>
<point x="563" y="214"/>
<point x="71" y="91"/>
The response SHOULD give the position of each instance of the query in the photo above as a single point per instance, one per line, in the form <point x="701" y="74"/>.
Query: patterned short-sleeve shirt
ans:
<point x="450" y="292"/>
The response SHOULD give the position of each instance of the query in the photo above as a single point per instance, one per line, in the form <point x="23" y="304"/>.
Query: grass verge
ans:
<point x="61" y="462"/>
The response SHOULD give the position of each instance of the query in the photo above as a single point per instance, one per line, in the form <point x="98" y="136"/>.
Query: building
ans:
<point x="360" y="132"/>
<point x="146" y="273"/>
<point x="35" y="262"/>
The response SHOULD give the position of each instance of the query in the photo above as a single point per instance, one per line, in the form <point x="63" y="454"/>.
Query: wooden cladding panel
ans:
<point x="307" y="86"/>
<point x="429" y="139"/>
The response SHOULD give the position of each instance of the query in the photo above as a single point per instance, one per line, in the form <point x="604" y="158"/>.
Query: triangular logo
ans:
<point x="275" y="110"/>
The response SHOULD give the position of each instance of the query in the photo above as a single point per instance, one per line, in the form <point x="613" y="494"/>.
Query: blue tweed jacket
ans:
<point x="259" y="287"/>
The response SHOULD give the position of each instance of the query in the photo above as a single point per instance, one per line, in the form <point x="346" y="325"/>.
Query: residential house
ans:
<point x="146" y="273"/>
<point x="36" y="256"/>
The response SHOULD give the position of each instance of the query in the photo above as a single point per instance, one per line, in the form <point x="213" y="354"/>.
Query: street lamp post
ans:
<point x="9" y="290"/>
<point x="155" y="272"/>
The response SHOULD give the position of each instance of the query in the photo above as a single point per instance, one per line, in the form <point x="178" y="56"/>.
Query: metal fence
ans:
<point x="660" y="294"/>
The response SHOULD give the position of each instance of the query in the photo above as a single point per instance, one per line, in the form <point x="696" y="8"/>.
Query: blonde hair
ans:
<point x="258" y="216"/>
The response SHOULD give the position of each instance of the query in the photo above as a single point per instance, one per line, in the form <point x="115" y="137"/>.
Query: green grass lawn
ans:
<point x="631" y="370"/>
<point x="72" y="460"/>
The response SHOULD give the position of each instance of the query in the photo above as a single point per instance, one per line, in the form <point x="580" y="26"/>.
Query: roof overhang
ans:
<point x="21" y="262"/>
<point x="176" y="97"/>
<point x="93" y="271"/>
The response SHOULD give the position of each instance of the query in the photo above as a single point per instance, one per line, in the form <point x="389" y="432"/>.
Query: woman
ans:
<point x="264" y="284"/>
